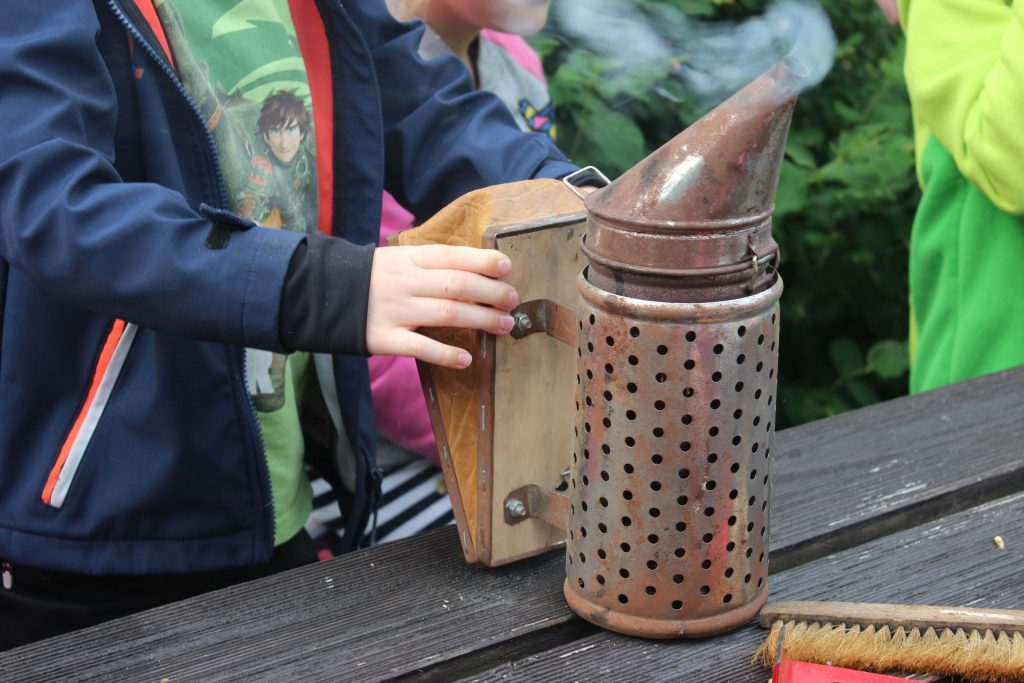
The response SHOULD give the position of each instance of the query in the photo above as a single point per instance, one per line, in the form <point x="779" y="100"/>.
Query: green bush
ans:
<point x="844" y="206"/>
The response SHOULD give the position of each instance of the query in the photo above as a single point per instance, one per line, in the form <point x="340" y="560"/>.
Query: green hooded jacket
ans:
<point x="965" y="74"/>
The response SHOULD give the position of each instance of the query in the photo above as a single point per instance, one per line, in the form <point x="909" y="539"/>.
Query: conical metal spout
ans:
<point x="692" y="221"/>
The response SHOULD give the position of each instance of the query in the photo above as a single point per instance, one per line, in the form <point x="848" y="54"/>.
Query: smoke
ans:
<point x="712" y="59"/>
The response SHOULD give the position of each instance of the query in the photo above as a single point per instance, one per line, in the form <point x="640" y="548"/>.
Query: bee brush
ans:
<point x="977" y="644"/>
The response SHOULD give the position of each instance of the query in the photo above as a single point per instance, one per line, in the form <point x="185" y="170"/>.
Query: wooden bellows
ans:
<point x="507" y="420"/>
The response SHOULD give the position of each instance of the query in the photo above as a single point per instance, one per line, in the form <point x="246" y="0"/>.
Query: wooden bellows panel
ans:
<point x="506" y="421"/>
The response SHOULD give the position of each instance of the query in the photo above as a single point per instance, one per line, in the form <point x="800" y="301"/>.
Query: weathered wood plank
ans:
<point x="366" y="616"/>
<point x="862" y="474"/>
<point x="950" y="561"/>
<point x="414" y="605"/>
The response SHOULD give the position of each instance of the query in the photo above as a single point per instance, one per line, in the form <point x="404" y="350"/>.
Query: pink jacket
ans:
<point x="398" y="401"/>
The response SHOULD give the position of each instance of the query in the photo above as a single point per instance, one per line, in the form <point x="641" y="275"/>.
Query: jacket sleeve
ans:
<point x="442" y="139"/>
<point x="965" y="74"/>
<point x="71" y="224"/>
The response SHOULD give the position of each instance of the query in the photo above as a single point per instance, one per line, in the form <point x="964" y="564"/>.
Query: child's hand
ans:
<point x="435" y="286"/>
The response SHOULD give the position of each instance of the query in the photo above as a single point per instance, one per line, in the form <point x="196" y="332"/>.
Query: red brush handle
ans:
<point x="792" y="671"/>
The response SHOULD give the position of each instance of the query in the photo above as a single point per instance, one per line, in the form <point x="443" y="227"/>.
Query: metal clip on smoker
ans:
<point x="652" y="387"/>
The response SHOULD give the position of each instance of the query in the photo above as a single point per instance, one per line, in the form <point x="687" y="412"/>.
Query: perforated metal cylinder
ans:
<point x="678" y="352"/>
<point x="670" y="482"/>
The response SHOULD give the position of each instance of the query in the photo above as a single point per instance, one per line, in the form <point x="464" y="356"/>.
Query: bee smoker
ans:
<point x="677" y="348"/>
<point x="671" y="335"/>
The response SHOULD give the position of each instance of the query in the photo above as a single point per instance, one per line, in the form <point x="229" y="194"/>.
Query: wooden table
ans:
<point x="898" y="502"/>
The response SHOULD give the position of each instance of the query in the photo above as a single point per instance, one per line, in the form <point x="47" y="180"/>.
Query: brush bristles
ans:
<point x="987" y="657"/>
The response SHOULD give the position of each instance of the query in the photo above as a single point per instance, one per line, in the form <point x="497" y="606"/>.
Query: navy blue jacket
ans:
<point x="128" y="443"/>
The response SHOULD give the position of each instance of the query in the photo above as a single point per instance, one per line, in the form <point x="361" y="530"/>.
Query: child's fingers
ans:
<point x="435" y="286"/>
<point x="484" y="261"/>
<point x="449" y="313"/>
<point x="461" y="285"/>
<point x="406" y="343"/>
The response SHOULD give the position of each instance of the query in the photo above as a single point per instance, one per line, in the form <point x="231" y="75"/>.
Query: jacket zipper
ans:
<point x="222" y="194"/>
<point x="8" y="575"/>
<point x="376" y="494"/>
<point x="171" y="74"/>
<point x="376" y="473"/>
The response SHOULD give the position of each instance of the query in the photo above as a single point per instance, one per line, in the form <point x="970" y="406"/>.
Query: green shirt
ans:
<point x="241" y="63"/>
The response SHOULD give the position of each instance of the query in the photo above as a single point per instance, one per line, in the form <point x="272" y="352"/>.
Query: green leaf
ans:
<point x="702" y="8"/>
<point x="819" y="240"/>
<point x="614" y="141"/>
<point x="636" y="83"/>
<point x="889" y="359"/>
<point x="849" y="114"/>
<point x="544" y="44"/>
<point x="862" y="392"/>
<point x="800" y="155"/>
<point x="791" y="197"/>
<point x="846" y="356"/>
<point x="570" y="85"/>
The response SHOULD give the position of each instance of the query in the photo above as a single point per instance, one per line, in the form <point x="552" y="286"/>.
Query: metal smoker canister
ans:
<point x="677" y="361"/>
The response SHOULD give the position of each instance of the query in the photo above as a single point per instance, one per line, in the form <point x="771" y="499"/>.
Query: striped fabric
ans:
<point x="415" y="499"/>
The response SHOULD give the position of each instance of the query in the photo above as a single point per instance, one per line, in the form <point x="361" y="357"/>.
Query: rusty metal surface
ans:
<point x="544" y="315"/>
<point x="677" y="356"/>
<point x="533" y="502"/>
<point x="654" y="627"/>
<point x="668" y="520"/>
<point x="692" y="222"/>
